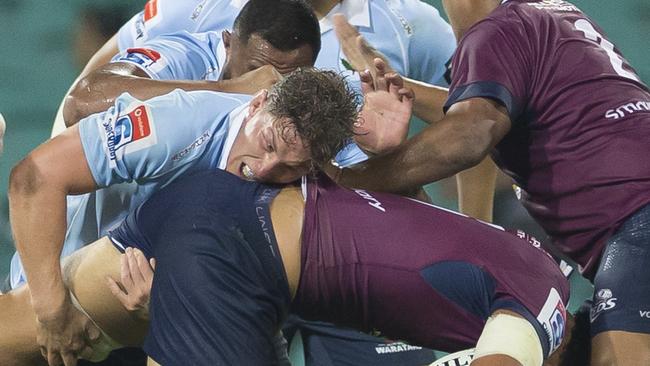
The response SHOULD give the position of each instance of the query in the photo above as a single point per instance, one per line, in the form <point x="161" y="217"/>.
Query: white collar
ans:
<point x="504" y="1"/>
<point x="236" y="118"/>
<point x="356" y="11"/>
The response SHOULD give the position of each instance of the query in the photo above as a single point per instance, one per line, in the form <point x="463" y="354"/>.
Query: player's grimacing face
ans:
<point x="245" y="57"/>
<point x="269" y="150"/>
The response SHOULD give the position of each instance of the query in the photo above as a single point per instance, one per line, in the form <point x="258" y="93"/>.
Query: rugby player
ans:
<point x="411" y="35"/>
<point x="538" y="85"/>
<point x="136" y="147"/>
<point x="233" y="257"/>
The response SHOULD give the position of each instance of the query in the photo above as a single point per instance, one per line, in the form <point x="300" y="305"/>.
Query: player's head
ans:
<point x="304" y="120"/>
<point x="282" y="33"/>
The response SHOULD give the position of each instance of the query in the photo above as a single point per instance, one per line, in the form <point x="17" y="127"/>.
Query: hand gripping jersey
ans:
<point x="136" y="147"/>
<point x="416" y="272"/>
<point x="578" y="144"/>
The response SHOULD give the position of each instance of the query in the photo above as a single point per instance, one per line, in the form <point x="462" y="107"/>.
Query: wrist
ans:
<point x="49" y="305"/>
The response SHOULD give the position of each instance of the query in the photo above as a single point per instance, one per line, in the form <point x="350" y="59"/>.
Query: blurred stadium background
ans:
<point x="44" y="44"/>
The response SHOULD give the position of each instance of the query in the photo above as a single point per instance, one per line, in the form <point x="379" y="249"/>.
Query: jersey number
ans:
<point x="617" y="62"/>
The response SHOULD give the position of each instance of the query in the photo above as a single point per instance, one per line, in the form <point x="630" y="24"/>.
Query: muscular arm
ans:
<point x="38" y="186"/>
<point x="476" y="190"/>
<point x="97" y="91"/>
<point x="101" y="57"/>
<point x="459" y="141"/>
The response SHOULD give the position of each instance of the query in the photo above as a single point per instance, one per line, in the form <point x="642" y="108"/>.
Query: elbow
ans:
<point x="26" y="178"/>
<point x="77" y="100"/>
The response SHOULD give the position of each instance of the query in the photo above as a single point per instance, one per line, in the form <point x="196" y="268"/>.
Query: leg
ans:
<point x="85" y="272"/>
<point x="620" y="348"/>
<point x="620" y="313"/>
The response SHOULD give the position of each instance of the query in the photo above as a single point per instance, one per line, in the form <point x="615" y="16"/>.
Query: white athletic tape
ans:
<point x="513" y="336"/>
<point x="105" y="345"/>
<point x="460" y="358"/>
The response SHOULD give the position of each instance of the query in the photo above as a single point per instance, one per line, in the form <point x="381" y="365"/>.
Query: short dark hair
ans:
<point x="320" y="105"/>
<point x="285" y="24"/>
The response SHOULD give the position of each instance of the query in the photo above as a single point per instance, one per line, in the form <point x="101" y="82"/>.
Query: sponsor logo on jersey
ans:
<point x="146" y="58"/>
<point x="627" y="109"/>
<point x="553" y="319"/>
<point x="644" y="314"/>
<point x="150" y="10"/>
<point x="197" y="11"/>
<point x="460" y="358"/>
<point x="140" y="29"/>
<point x="557" y="5"/>
<point x="128" y="132"/>
<point x="205" y="137"/>
<point x="395" y="347"/>
<point x="372" y="201"/>
<point x="604" y="301"/>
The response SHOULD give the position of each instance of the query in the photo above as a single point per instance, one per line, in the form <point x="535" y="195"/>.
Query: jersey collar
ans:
<point x="356" y="11"/>
<point x="236" y="118"/>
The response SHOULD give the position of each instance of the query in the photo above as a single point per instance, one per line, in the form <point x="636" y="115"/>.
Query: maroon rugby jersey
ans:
<point x="430" y="276"/>
<point x="579" y="146"/>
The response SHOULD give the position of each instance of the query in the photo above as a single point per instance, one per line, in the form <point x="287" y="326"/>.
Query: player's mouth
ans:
<point x="247" y="172"/>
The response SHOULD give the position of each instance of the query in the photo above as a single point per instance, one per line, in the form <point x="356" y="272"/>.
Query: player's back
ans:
<point x="353" y="237"/>
<point x="580" y="118"/>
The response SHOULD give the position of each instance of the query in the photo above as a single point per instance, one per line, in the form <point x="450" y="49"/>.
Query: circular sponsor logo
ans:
<point x="604" y="293"/>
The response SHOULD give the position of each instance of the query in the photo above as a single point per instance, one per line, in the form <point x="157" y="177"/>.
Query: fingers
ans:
<point x="367" y="83"/>
<point x="406" y="97"/>
<point x="125" y="272"/>
<point x="69" y="358"/>
<point x="152" y="263"/>
<point x="134" y="265"/>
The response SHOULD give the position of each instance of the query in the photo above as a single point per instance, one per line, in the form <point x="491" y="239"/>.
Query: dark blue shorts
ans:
<point x="622" y="283"/>
<point x="326" y="345"/>
<point x="219" y="293"/>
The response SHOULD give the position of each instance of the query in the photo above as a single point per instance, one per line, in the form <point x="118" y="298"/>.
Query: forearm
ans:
<point x="429" y="100"/>
<point x="32" y="204"/>
<point x="98" y="91"/>
<point x="476" y="190"/>
<point x="437" y="152"/>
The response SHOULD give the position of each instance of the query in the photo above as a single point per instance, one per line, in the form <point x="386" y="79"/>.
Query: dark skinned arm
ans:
<point x="97" y="91"/>
<point x="459" y="141"/>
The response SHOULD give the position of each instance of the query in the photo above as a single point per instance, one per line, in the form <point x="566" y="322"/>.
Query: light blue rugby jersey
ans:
<point x="135" y="148"/>
<point x="411" y="34"/>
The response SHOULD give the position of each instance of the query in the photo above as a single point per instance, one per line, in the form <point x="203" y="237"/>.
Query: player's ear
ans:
<point x="225" y="37"/>
<point x="258" y="102"/>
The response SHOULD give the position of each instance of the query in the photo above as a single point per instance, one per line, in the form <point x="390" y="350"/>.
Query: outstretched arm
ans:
<point x="97" y="91"/>
<point x="361" y="55"/>
<point x="38" y="188"/>
<point x="461" y="140"/>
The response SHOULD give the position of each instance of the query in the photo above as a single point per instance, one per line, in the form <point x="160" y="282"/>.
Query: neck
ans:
<point x="323" y="7"/>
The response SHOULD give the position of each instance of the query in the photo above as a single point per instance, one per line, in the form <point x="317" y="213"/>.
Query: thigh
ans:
<point x="85" y="273"/>
<point x="620" y="313"/>
<point x="613" y="348"/>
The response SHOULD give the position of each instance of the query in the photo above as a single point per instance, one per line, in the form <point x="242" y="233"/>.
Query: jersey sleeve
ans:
<point x="492" y="62"/>
<point x="350" y="154"/>
<point x="158" y="17"/>
<point x="178" y="56"/>
<point x="135" y="140"/>
<point x="431" y="46"/>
